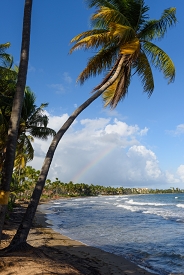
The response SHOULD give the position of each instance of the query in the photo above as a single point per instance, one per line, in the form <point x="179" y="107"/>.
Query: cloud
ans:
<point x="178" y="131"/>
<point x="106" y="152"/>
<point x="171" y="179"/>
<point x="144" y="165"/>
<point x="55" y="122"/>
<point x="180" y="172"/>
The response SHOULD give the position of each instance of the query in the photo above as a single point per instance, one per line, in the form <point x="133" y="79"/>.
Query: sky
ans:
<point x="141" y="142"/>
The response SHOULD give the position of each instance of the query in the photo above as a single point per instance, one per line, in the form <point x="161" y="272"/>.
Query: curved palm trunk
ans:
<point x="20" y="237"/>
<point x="15" y="114"/>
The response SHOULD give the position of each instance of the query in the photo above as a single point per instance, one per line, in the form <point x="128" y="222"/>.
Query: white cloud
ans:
<point x="55" y="122"/>
<point x="104" y="151"/>
<point x="180" y="172"/>
<point x="171" y="179"/>
<point x="143" y="164"/>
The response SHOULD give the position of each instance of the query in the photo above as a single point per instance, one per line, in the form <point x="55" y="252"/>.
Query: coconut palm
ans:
<point x="33" y="124"/>
<point x="122" y="35"/>
<point x="15" y="114"/>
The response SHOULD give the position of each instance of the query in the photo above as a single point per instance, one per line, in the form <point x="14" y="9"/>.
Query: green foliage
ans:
<point x="24" y="182"/>
<point x="33" y="122"/>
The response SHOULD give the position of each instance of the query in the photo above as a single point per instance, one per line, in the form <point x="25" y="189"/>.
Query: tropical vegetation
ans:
<point x="24" y="181"/>
<point x="33" y="124"/>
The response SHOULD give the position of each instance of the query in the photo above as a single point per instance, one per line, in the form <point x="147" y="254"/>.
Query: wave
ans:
<point x="180" y="205"/>
<point x="127" y="207"/>
<point x="145" y="203"/>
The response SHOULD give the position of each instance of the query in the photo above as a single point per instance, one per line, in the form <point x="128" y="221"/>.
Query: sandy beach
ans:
<point x="54" y="253"/>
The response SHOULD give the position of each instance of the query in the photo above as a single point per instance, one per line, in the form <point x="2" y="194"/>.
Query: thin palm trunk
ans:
<point x="20" y="237"/>
<point x="15" y="114"/>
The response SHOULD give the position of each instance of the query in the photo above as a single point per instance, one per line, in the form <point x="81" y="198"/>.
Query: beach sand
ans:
<point x="54" y="253"/>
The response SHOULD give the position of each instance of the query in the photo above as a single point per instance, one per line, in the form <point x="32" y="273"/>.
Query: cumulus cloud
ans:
<point x="103" y="151"/>
<point x="144" y="164"/>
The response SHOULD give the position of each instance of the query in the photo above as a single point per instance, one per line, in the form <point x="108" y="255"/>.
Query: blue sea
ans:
<point x="146" y="229"/>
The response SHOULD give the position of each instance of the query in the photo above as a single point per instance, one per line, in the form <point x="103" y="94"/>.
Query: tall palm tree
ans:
<point x="15" y="114"/>
<point x="122" y="36"/>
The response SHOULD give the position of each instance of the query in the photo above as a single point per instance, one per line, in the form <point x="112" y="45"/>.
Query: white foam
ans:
<point x="180" y="205"/>
<point x="131" y="208"/>
<point x="145" y="203"/>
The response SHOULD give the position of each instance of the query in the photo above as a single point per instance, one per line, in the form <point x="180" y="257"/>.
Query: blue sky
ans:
<point x="141" y="142"/>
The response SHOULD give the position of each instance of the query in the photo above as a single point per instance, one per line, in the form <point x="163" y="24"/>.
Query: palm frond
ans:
<point x="87" y="34"/>
<point x="24" y="147"/>
<point x="6" y="59"/>
<point x="143" y="69"/>
<point x="41" y="132"/>
<point x="98" y="3"/>
<point x="157" y="28"/>
<point x="160" y="60"/>
<point x="93" y="41"/>
<point x="102" y="61"/>
<point x="105" y="15"/>
<point x="121" y="34"/>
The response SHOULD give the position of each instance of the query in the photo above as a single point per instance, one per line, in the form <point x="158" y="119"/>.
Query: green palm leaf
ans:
<point x="143" y="69"/>
<point x="160" y="60"/>
<point x="157" y="28"/>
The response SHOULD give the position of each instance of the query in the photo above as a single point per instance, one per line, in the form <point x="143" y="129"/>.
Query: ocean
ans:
<point x="146" y="229"/>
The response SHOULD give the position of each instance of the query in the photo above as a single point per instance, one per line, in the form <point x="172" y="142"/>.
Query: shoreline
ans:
<point x="116" y="265"/>
<point x="54" y="253"/>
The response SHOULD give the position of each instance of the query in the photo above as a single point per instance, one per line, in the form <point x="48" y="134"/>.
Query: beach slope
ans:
<point x="54" y="253"/>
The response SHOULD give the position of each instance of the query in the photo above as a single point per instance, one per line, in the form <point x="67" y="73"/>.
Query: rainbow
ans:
<point x="104" y="153"/>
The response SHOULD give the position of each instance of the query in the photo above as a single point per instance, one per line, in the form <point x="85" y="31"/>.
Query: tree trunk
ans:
<point x="15" y="114"/>
<point x="20" y="237"/>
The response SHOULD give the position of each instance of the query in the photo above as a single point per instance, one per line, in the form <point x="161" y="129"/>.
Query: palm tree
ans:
<point x="33" y="124"/>
<point x="15" y="114"/>
<point x="122" y="36"/>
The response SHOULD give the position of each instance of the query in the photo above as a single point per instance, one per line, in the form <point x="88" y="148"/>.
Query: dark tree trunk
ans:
<point x="15" y="114"/>
<point x="20" y="237"/>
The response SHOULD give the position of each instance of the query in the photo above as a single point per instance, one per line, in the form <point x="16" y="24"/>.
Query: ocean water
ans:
<point x="146" y="229"/>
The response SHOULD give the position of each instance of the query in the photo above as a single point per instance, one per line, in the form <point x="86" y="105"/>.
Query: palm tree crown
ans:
<point x="33" y="124"/>
<point x="123" y="35"/>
